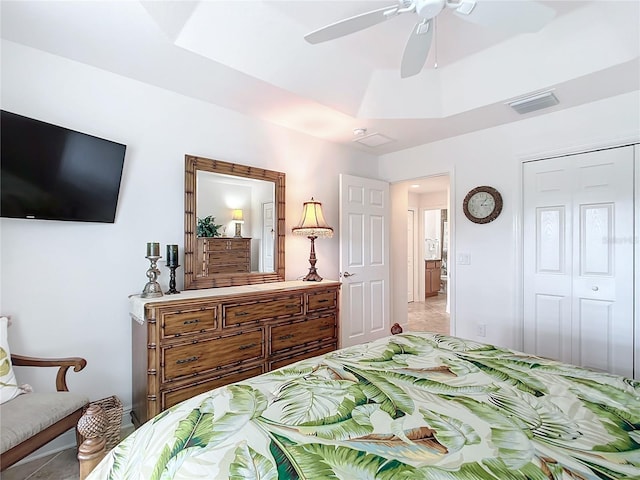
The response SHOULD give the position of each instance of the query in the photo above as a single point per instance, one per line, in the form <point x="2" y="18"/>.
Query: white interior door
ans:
<point x="268" y="237"/>
<point x="364" y="259"/>
<point x="578" y="251"/>
<point x="411" y="268"/>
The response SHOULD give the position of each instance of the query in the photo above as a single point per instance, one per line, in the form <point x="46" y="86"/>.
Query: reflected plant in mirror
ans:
<point x="206" y="227"/>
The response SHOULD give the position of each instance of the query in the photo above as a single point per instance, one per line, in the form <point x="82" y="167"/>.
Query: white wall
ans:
<point x="398" y="254"/>
<point x="431" y="239"/>
<point x="66" y="284"/>
<point x="487" y="291"/>
<point x="637" y="265"/>
<point x="433" y="200"/>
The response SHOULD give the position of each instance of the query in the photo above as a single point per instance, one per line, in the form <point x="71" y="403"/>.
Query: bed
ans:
<point x="409" y="406"/>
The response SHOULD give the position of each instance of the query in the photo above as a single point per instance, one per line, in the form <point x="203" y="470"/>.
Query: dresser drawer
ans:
<point x="226" y="244"/>
<point x="228" y="256"/>
<point x="174" y="396"/>
<point x="181" y="322"/>
<point x="322" y="300"/>
<point x="218" y="266"/>
<point x="237" y="314"/>
<point x="301" y="356"/>
<point x="288" y="336"/>
<point x="198" y="357"/>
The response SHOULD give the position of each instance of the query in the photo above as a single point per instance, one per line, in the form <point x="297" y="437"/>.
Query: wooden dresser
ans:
<point x="223" y="255"/>
<point x="432" y="269"/>
<point x="188" y="343"/>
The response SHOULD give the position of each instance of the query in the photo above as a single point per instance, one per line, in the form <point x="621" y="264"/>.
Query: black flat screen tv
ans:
<point x="53" y="173"/>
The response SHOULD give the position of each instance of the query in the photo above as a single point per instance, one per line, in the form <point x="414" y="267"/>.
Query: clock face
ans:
<point x="482" y="204"/>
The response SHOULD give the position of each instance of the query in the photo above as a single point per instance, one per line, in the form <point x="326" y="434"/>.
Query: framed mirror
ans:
<point x="234" y="226"/>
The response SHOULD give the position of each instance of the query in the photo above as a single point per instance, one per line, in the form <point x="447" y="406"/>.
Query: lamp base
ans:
<point x="238" y="231"/>
<point x="312" y="276"/>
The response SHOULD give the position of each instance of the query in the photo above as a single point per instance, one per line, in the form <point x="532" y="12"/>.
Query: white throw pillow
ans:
<point x="8" y="385"/>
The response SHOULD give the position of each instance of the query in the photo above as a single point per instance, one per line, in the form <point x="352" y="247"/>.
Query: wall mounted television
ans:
<point x="53" y="173"/>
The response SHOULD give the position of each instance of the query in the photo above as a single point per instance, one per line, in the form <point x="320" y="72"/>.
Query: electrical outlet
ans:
<point x="482" y="329"/>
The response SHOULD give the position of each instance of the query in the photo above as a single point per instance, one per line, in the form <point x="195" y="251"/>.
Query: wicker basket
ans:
<point x="112" y="407"/>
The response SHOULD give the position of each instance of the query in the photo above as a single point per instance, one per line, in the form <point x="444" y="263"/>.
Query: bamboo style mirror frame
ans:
<point x="192" y="278"/>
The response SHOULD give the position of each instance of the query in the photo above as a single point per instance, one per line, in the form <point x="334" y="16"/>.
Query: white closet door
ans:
<point x="578" y="259"/>
<point x="268" y="237"/>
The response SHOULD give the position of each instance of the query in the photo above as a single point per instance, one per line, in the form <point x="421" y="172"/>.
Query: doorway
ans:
<point x="428" y="203"/>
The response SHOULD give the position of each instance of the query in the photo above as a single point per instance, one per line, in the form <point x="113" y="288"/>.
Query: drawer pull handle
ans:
<point x="187" y="360"/>
<point x="325" y="327"/>
<point x="187" y="322"/>
<point x="241" y="314"/>
<point x="285" y="337"/>
<point x="325" y="300"/>
<point x="244" y="347"/>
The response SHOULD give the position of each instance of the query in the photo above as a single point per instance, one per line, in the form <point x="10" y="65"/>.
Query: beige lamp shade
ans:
<point x="312" y="223"/>
<point x="236" y="216"/>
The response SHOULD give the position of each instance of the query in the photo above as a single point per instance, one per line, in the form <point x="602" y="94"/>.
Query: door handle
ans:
<point x="347" y="274"/>
<point x="595" y="288"/>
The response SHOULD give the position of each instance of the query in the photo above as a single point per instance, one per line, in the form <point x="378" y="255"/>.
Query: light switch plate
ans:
<point x="464" y="259"/>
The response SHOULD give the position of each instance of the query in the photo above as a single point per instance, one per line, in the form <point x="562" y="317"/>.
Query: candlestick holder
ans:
<point x="172" y="280"/>
<point x="152" y="288"/>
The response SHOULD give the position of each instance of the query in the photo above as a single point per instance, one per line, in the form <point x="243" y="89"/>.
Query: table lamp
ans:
<point x="313" y="225"/>
<point x="236" y="217"/>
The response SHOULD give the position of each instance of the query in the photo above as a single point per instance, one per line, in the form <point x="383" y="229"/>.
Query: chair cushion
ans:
<point x="26" y="415"/>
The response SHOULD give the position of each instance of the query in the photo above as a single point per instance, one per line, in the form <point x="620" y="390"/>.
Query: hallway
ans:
<point x="430" y="315"/>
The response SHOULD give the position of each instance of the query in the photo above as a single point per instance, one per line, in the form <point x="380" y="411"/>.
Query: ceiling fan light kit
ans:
<point x="428" y="9"/>
<point x="532" y="17"/>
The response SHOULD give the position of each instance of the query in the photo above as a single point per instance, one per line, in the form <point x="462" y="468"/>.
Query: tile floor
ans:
<point x="57" y="466"/>
<point x="429" y="316"/>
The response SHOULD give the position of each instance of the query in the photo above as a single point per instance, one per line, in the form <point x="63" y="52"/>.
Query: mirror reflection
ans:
<point x="233" y="224"/>
<point x="235" y="216"/>
<point x="436" y="236"/>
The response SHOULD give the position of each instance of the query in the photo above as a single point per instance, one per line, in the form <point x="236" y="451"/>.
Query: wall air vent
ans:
<point x="534" y="102"/>
<point x="373" y="140"/>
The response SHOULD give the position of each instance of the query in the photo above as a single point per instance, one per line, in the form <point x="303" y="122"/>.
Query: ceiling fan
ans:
<point x="517" y="16"/>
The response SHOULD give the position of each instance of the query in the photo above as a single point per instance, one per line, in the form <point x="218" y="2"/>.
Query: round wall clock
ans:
<point x="482" y="204"/>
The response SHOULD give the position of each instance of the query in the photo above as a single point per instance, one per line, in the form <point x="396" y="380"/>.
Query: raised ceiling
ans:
<point x="250" y="56"/>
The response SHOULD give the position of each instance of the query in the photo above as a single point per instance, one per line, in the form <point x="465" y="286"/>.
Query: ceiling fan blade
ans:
<point x="351" y="25"/>
<point x="417" y="49"/>
<point x="523" y="16"/>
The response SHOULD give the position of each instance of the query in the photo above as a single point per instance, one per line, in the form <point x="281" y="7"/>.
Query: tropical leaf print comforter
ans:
<point x="412" y="406"/>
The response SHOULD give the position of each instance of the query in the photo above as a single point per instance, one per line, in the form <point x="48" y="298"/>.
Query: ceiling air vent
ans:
<point x="535" y="102"/>
<point x="373" y="140"/>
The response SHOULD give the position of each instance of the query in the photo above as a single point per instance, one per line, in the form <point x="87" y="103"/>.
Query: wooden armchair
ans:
<point x="31" y="420"/>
